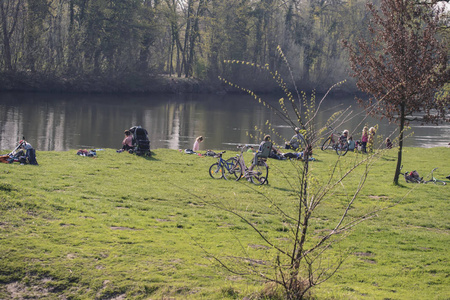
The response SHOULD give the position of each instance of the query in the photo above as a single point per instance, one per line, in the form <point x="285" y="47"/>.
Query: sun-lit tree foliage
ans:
<point x="402" y="65"/>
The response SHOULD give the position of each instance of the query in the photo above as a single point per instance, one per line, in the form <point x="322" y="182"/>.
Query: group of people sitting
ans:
<point x="267" y="149"/>
<point x="367" y="140"/>
<point x="296" y="143"/>
<point x="364" y="145"/>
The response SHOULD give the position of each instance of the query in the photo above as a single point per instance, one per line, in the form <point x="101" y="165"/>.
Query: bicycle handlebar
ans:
<point x="220" y="154"/>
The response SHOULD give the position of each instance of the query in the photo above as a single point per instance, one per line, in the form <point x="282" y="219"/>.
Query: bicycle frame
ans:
<point x="435" y="180"/>
<point x="228" y="166"/>
<point x="240" y="157"/>
<point x="249" y="173"/>
<point x="224" y="168"/>
<point x="221" y="168"/>
<point x="334" y="141"/>
<point x="333" y="137"/>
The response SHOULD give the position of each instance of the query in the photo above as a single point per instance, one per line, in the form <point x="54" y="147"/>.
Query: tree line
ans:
<point x="192" y="38"/>
<point x="131" y="40"/>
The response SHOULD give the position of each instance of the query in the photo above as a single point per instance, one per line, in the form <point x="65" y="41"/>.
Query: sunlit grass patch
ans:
<point x="139" y="227"/>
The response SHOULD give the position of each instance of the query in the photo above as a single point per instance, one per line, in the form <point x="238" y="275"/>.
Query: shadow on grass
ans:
<point x="282" y="189"/>
<point x="387" y="158"/>
<point x="150" y="157"/>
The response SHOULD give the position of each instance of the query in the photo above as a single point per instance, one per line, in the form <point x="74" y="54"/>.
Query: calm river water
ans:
<point x="63" y="122"/>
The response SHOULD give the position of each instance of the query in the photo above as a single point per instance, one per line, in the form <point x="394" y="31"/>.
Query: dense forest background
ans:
<point x="163" y="45"/>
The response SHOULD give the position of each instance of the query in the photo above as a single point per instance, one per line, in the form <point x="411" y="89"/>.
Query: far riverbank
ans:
<point x="134" y="83"/>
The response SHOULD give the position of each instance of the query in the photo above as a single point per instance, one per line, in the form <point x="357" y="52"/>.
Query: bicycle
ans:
<point x="258" y="174"/>
<point x="435" y="180"/>
<point x="217" y="170"/>
<point x="335" y="142"/>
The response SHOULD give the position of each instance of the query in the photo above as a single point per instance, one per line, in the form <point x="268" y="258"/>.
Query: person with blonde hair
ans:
<point x="344" y="136"/>
<point x="197" y="142"/>
<point x="364" y="139"/>
<point x="370" y="140"/>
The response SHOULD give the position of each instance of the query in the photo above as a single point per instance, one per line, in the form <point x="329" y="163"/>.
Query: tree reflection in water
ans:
<point x="71" y="121"/>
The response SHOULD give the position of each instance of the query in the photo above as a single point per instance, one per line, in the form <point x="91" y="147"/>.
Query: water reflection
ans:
<point x="62" y="122"/>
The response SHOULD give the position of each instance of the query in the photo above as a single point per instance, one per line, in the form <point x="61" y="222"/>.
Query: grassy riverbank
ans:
<point x="125" y="227"/>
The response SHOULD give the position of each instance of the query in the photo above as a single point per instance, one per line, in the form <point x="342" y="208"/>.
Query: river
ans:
<point x="72" y="121"/>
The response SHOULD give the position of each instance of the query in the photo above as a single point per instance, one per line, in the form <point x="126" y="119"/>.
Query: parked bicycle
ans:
<point x="223" y="168"/>
<point x="257" y="174"/>
<point x="435" y="180"/>
<point x="335" y="142"/>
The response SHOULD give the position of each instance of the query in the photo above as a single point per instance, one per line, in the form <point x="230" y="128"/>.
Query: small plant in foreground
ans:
<point x="303" y="255"/>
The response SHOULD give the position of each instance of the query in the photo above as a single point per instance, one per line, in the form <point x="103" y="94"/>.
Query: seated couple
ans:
<point x="266" y="149"/>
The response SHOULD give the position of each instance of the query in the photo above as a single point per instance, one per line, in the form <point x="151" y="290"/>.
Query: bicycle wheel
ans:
<point x="342" y="148"/>
<point x="216" y="171"/>
<point x="326" y="144"/>
<point x="233" y="167"/>
<point x="260" y="173"/>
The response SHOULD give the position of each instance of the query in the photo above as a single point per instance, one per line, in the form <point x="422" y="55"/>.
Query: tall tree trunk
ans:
<point x="195" y="34"/>
<point x="187" y="37"/>
<point x="144" y="54"/>
<point x="170" y="55"/>
<point x="6" y="44"/>
<point x="71" y="42"/>
<point x="175" y="36"/>
<point x="7" y="32"/>
<point x="400" y="143"/>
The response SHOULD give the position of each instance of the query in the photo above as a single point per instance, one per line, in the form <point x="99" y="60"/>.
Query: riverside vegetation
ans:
<point x="121" y="226"/>
<point x="130" y="46"/>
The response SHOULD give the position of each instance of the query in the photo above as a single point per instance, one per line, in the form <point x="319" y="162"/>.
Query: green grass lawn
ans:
<point x="120" y="226"/>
